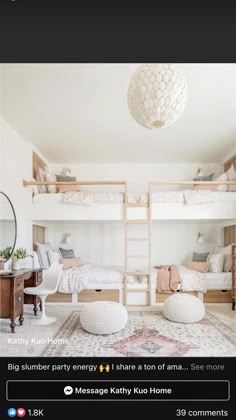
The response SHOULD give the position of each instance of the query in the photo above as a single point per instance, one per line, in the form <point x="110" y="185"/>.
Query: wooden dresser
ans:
<point x="12" y="297"/>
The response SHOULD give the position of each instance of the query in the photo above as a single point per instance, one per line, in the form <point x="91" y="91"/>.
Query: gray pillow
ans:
<point x="67" y="253"/>
<point x="204" y="178"/>
<point x="200" y="257"/>
<point x="61" y="178"/>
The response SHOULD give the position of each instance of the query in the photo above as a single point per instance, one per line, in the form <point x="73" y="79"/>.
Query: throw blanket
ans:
<point x="168" y="278"/>
<point x="91" y="198"/>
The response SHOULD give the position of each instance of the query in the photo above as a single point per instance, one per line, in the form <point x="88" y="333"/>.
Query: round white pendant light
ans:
<point x="157" y="95"/>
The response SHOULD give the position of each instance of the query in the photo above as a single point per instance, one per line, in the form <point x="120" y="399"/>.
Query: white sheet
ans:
<point x="219" y="281"/>
<point x="181" y="196"/>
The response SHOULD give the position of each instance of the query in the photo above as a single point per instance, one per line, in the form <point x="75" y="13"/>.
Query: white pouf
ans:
<point x="183" y="308"/>
<point x="103" y="317"/>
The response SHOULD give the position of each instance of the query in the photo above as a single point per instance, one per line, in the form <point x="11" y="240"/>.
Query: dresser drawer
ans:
<point x="98" y="294"/>
<point x="19" y="300"/>
<point x="19" y="283"/>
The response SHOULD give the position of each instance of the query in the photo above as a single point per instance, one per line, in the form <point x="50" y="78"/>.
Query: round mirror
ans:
<point x="8" y="229"/>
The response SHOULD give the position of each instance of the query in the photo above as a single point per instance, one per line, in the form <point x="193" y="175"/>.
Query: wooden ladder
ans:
<point x="146" y="256"/>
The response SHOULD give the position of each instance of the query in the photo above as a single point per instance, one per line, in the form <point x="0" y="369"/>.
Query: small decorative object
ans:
<point x="66" y="171"/>
<point x="19" y="258"/>
<point x="157" y="95"/>
<point x="200" y="238"/>
<point x="5" y="254"/>
<point x="67" y="238"/>
<point x="200" y="173"/>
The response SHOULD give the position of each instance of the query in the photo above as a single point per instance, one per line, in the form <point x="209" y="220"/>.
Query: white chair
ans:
<point x="48" y="286"/>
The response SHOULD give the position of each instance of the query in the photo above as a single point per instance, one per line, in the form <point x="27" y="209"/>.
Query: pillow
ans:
<point x="222" y="178"/>
<point x="53" y="257"/>
<point x="204" y="178"/>
<point x="52" y="189"/>
<point x="204" y="187"/>
<point x="231" y="176"/>
<point x="67" y="253"/>
<point x="62" y="178"/>
<point x="42" y="251"/>
<point x="227" y="252"/>
<point x="200" y="257"/>
<point x="216" y="263"/>
<point x="202" y="267"/>
<point x="41" y="177"/>
<point x="35" y="260"/>
<point x="65" y="188"/>
<point x="70" y="262"/>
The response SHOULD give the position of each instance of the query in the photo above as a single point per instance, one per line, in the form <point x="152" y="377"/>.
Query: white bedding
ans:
<point x="193" y="196"/>
<point x="157" y="197"/>
<point x="76" y="279"/>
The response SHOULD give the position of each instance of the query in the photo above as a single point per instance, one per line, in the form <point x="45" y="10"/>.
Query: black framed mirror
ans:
<point x="8" y="229"/>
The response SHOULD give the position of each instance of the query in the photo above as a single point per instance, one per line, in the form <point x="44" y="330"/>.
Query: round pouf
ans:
<point x="103" y="317"/>
<point x="183" y="308"/>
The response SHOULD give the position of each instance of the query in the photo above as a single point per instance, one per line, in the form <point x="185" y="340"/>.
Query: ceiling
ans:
<point x="78" y="113"/>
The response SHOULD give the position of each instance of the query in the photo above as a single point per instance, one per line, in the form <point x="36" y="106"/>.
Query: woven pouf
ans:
<point x="103" y="317"/>
<point x="183" y="308"/>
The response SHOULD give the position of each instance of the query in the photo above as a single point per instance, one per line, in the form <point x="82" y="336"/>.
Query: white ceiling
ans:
<point x="77" y="113"/>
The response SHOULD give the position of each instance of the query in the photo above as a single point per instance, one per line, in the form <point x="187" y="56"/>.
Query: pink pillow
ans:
<point x="70" y="262"/>
<point x="65" y="188"/>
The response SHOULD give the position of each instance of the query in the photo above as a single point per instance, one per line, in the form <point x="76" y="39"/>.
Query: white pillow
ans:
<point x="42" y="251"/>
<point x="227" y="252"/>
<point x="53" y="257"/>
<point x="222" y="178"/>
<point x="35" y="260"/>
<point x="50" y="177"/>
<point x="231" y="176"/>
<point x="41" y="177"/>
<point x="216" y="263"/>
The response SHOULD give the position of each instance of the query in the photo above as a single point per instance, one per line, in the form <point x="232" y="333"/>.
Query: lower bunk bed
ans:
<point x="88" y="283"/>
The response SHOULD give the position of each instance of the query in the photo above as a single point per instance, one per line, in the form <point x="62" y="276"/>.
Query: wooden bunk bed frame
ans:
<point x="37" y="162"/>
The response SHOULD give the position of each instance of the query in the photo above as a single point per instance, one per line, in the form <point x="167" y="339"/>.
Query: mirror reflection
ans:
<point x="8" y="229"/>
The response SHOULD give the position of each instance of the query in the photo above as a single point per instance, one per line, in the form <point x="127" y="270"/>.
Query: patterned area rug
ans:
<point x="147" y="334"/>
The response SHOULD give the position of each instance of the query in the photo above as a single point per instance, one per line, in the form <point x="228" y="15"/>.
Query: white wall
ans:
<point x="103" y="243"/>
<point x="138" y="175"/>
<point x="16" y="164"/>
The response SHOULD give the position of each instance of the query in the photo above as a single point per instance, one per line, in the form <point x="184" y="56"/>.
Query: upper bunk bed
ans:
<point x="186" y="204"/>
<point x="110" y="200"/>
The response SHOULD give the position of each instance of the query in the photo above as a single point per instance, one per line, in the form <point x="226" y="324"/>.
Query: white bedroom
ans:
<point x="139" y="217"/>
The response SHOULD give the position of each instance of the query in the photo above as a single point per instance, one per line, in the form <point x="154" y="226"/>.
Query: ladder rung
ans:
<point x="137" y="239"/>
<point x="137" y="273"/>
<point x="137" y="256"/>
<point x="137" y="290"/>
<point x="137" y="205"/>
<point x="137" y="222"/>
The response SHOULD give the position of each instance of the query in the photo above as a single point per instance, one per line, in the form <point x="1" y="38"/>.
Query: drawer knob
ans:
<point x="19" y="298"/>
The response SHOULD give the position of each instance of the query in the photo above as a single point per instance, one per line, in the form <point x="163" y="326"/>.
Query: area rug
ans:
<point x="147" y="334"/>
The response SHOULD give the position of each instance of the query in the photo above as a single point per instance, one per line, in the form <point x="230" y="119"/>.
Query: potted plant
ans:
<point x="19" y="258"/>
<point x="4" y="256"/>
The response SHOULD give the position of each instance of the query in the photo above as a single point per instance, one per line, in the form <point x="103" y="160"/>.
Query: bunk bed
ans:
<point x="182" y="204"/>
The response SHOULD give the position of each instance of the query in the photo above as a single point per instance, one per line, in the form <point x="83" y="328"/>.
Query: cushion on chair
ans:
<point x="183" y="308"/>
<point x="103" y="317"/>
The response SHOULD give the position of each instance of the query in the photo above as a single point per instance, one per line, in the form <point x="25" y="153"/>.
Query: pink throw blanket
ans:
<point x="168" y="278"/>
